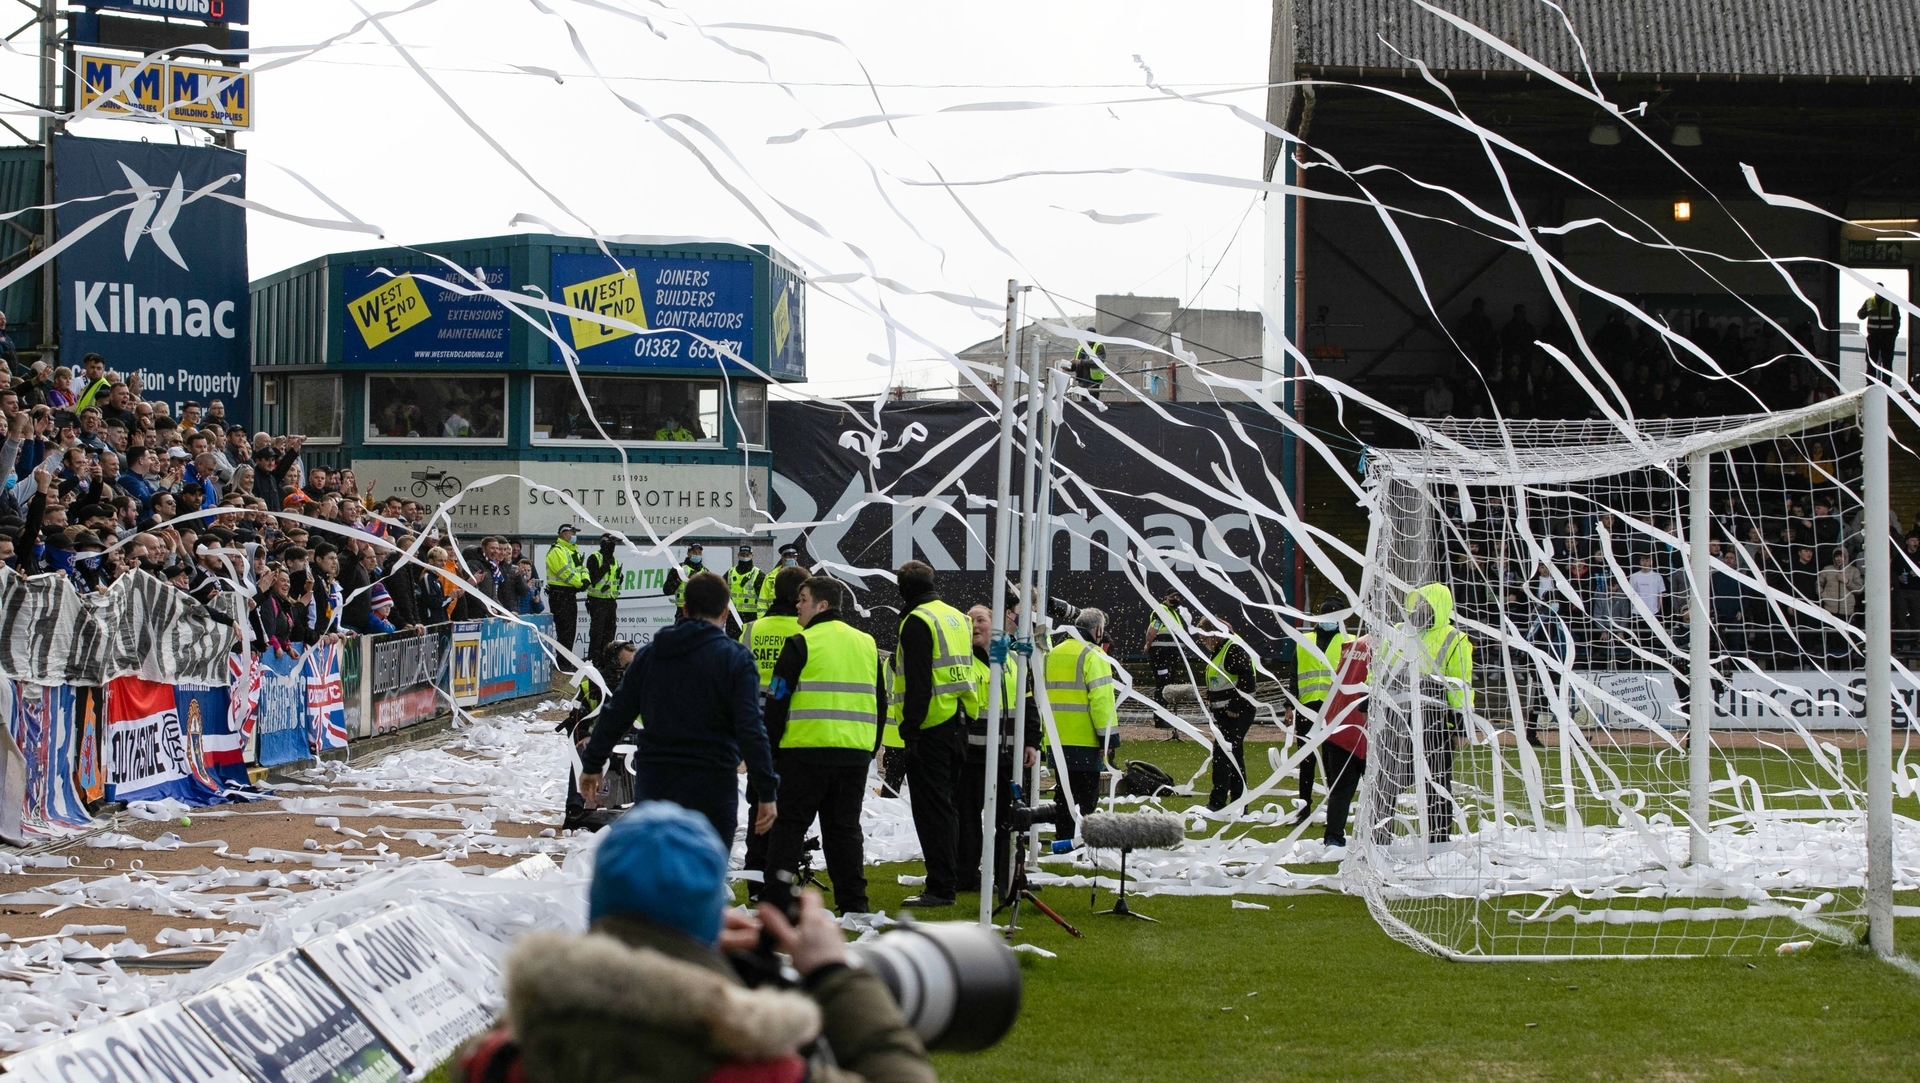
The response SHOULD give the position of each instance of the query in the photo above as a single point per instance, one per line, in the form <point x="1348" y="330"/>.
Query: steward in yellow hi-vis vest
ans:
<point x="766" y="638"/>
<point x="1080" y="696"/>
<point x="970" y="794"/>
<point x="933" y="682"/>
<point x="1232" y="684"/>
<point x="1315" y="660"/>
<point x="824" y="707"/>
<point x="1424" y="689"/>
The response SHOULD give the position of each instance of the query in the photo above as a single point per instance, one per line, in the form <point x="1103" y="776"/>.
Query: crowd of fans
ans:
<point x="100" y="482"/>
<point x="1505" y="369"/>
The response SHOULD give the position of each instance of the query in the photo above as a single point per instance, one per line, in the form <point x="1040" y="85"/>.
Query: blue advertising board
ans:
<point x="514" y="662"/>
<point x="207" y="11"/>
<point x="686" y="305"/>
<point x="156" y="278"/>
<point x="394" y="318"/>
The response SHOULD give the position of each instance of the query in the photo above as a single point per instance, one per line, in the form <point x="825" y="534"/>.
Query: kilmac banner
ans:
<point x="923" y="489"/>
<point x="156" y="278"/>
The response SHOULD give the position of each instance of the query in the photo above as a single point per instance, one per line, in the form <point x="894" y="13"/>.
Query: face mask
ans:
<point x="90" y="561"/>
<point x="789" y="563"/>
<point x="1328" y="626"/>
<point x="696" y="560"/>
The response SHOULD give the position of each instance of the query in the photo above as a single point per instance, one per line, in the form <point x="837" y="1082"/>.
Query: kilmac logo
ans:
<point x="115" y="308"/>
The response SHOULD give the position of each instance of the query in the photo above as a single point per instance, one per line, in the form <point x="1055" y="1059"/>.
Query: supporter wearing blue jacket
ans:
<point x="696" y="693"/>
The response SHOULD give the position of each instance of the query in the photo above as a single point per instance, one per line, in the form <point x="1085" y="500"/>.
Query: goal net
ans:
<point x="1547" y="799"/>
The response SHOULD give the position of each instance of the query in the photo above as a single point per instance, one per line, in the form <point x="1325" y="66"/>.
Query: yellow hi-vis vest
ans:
<point x="952" y="664"/>
<point x="1316" y="673"/>
<point x="766" y="638"/>
<point x="1080" y="691"/>
<point x="835" y="704"/>
<point x="608" y="584"/>
<point x="746" y="591"/>
<point x="982" y="690"/>
<point x="564" y="566"/>
<point x="896" y="704"/>
<point x="687" y="571"/>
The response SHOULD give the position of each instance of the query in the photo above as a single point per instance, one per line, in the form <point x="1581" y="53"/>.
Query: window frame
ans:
<point x="506" y="401"/>
<point x="287" y="405"/>
<point x="536" y="440"/>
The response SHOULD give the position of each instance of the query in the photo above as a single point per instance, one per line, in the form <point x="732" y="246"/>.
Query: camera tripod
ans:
<point x="1018" y="891"/>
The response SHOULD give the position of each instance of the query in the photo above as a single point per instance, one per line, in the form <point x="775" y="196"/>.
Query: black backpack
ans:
<point x="1143" y="779"/>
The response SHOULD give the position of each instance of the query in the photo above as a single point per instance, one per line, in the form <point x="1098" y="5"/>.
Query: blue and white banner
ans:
<point x="149" y="757"/>
<point x="282" y="715"/>
<point x="42" y="724"/>
<point x="155" y="280"/>
<point x="205" y="716"/>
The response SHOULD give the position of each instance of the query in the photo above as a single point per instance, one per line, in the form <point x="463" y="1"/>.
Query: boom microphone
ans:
<point x="1133" y="831"/>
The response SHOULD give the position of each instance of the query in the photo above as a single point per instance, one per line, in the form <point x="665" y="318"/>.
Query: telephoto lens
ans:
<point x="957" y="984"/>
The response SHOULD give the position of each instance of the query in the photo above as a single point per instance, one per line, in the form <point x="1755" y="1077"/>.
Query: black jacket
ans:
<point x="355" y="577"/>
<point x="786" y="677"/>
<point x="696" y="694"/>
<point x="916" y="665"/>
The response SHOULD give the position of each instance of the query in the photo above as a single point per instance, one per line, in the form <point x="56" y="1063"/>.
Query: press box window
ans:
<point x="750" y="412"/>
<point x="314" y="407"/>
<point x="630" y="409"/>
<point x="436" y="407"/>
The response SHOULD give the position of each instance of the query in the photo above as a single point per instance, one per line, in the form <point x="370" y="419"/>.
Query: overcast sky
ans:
<point x="366" y="129"/>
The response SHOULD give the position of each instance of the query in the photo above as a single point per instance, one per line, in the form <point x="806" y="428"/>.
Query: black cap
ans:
<point x="695" y="547"/>
<point x="567" y="528"/>
<point x="1332" y="605"/>
<point x="745" y="547"/>
<point x="789" y="550"/>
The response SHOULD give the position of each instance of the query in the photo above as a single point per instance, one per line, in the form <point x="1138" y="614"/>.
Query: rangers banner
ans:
<point x="208" y="724"/>
<point x="149" y="757"/>
<point x="281" y="720"/>
<point x="42" y="723"/>
<point x="326" y="705"/>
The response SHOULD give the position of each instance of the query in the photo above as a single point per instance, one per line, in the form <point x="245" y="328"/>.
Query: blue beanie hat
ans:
<point x="663" y="863"/>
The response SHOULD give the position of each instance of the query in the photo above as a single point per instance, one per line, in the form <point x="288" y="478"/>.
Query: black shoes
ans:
<point x="924" y="901"/>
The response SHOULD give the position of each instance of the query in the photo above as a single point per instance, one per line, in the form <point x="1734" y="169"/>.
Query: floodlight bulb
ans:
<point x="1683" y="210"/>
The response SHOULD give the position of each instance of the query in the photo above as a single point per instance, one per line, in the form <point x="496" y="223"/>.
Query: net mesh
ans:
<point x="1536" y="802"/>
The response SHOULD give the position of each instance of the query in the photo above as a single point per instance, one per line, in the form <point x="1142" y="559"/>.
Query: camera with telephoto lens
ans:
<point x="1025" y="817"/>
<point x="957" y="984"/>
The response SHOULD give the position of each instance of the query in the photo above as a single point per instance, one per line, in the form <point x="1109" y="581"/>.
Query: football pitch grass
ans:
<point x="1313" y="989"/>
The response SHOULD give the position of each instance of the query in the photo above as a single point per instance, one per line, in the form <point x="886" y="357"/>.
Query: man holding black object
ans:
<point x="1231" y="687"/>
<point x="933" y="683"/>
<point x="823" y="714"/>
<point x="970" y="795"/>
<point x="697" y="695"/>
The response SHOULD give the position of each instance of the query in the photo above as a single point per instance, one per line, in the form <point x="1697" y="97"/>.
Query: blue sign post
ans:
<point x="689" y="307"/>
<point x="155" y="279"/>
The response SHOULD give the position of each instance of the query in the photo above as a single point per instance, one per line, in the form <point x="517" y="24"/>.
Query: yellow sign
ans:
<point x="616" y="296"/>
<point x="782" y="323"/>
<point x="389" y="310"/>
<point x="205" y="96"/>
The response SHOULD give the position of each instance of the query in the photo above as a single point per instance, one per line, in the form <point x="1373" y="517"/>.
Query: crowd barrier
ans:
<point x="134" y="739"/>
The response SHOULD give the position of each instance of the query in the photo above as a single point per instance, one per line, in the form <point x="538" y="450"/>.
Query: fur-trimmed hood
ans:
<point x="566" y="975"/>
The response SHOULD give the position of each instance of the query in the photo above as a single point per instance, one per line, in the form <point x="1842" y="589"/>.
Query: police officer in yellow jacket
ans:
<point x="933" y="682"/>
<point x="1232" y="684"/>
<point x="677" y="577"/>
<point x="1427" y="675"/>
<point x="746" y="581"/>
<point x="1080" y="696"/>
<point x="823" y="718"/>
<point x="603" y="596"/>
<point x="1316" y="659"/>
<point x="765" y="638"/>
<point x="566" y="575"/>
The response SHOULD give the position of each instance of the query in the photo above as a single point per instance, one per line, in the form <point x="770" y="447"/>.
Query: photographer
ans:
<point x="649" y="994"/>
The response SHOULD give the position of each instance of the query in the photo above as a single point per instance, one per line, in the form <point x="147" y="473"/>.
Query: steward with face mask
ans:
<point x="1232" y="684"/>
<point x="789" y="558"/>
<point x="1316" y="659"/>
<point x="677" y="577"/>
<point x="765" y="638"/>
<point x="747" y="583"/>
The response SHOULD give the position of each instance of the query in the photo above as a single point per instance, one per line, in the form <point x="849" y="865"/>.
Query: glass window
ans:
<point x="629" y="408"/>
<point x="750" y="412"/>
<point x="436" y="407"/>
<point x="314" y="407"/>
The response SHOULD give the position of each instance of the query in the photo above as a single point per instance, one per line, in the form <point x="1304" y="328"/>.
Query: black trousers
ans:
<point x="713" y="794"/>
<point x="1228" y="764"/>
<point x="1438" y="737"/>
<point x="1086" y="794"/>
<point x="969" y="802"/>
<point x="1880" y="345"/>
<point x="602" y="614"/>
<point x="1344" y="771"/>
<point x="933" y="763"/>
<point x="1165" y="660"/>
<point x="756" y="842"/>
<point x="1303" y="728"/>
<point x="834" y="794"/>
<point x="564" y="603"/>
<point x="893" y="770"/>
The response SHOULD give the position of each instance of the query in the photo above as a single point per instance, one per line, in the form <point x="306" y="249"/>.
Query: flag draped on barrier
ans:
<point x="208" y="725"/>
<point x="149" y="755"/>
<point x="281" y="719"/>
<point x="42" y="723"/>
<point x="326" y="705"/>
<point x="141" y="626"/>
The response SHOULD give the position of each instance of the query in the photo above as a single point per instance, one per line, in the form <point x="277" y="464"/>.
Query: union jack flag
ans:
<point x="326" y="706"/>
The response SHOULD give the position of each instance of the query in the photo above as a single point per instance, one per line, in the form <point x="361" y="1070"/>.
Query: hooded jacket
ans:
<point x="632" y="1002"/>
<point x="1446" y="657"/>
<point x="696" y="695"/>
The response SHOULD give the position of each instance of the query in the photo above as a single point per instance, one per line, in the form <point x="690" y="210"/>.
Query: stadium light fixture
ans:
<point x="1682" y="209"/>
<point x="1604" y="134"/>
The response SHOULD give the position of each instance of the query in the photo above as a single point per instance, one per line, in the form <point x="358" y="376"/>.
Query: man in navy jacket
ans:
<point x="696" y="694"/>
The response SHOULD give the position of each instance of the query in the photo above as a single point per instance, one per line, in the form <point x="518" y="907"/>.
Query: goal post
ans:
<point x="1633" y="692"/>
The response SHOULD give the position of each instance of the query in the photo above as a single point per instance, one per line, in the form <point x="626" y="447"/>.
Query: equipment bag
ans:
<point x="1143" y="779"/>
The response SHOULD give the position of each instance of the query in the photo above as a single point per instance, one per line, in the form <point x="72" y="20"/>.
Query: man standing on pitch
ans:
<point x="823" y="714"/>
<point x="697" y="695"/>
<point x="933" y="683"/>
<point x="566" y="574"/>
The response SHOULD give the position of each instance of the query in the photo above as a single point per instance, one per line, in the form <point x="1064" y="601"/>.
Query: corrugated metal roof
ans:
<point x="1848" y="38"/>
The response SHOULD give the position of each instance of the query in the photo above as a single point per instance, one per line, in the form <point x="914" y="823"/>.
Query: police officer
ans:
<point x="789" y="558"/>
<point x="1231" y="687"/>
<point x="677" y="577"/>
<point x="1315" y="660"/>
<point x="765" y="637"/>
<point x="933" y="682"/>
<point x="1429" y="674"/>
<point x="970" y="795"/>
<point x="1163" y="646"/>
<point x="566" y="574"/>
<point x="746" y="582"/>
<point x="603" y="596"/>
<point x="823" y="717"/>
<point x="1080" y="695"/>
<point x="1883" y="328"/>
